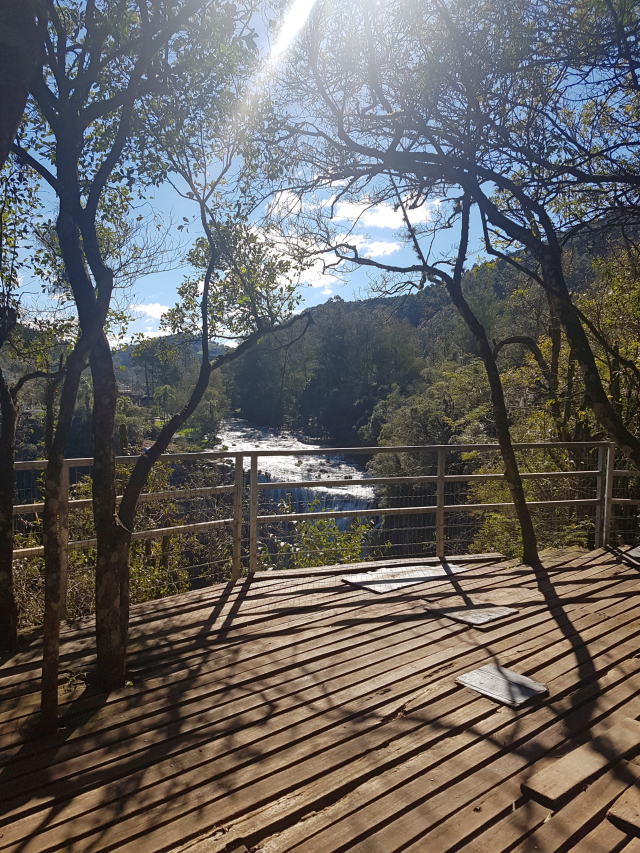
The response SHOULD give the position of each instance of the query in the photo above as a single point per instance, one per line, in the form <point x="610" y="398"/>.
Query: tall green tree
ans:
<point x="28" y="343"/>
<point x="111" y="72"/>
<point x="20" y="55"/>
<point x="526" y="114"/>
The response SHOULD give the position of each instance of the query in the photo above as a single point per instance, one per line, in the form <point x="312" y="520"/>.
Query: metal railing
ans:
<point x="602" y="502"/>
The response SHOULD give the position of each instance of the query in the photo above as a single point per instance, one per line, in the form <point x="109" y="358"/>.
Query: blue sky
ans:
<point x="377" y="232"/>
<point x="375" y="236"/>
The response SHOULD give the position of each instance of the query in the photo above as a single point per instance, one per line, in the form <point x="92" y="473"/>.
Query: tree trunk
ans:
<point x="20" y="54"/>
<point x="600" y="404"/>
<point x="114" y="527"/>
<point x="8" y="608"/>
<point x="112" y="604"/>
<point x="511" y="470"/>
<point x="51" y="539"/>
<point x="112" y="608"/>
<point x="50" y="391"/>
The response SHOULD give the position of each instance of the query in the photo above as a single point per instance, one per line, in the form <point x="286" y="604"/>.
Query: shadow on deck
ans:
<point x="294" y="712"/>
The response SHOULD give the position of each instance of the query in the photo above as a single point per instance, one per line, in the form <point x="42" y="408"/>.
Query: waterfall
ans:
<point x="239" y="436"/>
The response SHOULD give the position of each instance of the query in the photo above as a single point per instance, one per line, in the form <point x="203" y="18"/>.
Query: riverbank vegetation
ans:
<point x="405" y="370"/>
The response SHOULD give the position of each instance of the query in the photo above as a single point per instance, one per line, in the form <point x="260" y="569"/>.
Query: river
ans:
<point x="238" y="435"/>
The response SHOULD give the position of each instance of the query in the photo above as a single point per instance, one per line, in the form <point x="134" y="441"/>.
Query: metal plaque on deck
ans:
<point x="502" y="685"/>
<point x="633" y="554"/>
<point x="389" y="580"/>
<point x="473" y="615"/>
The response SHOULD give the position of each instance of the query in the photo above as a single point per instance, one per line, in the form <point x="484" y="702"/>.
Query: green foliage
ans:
<point x="35" y="337"/>
<point x="159" y="567"/>
<point x="251" y="287"/>
<point x="556" y="527"/>
<point x="501" y="532"/>
<point x="206" y="421"/>
<point x="312" y="542"/>
<point x="328" y="381"/>
<point x="138" y="422"/>
<point x="20" y="205"/>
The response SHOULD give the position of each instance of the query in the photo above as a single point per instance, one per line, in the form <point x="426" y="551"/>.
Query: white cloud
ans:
<point x="316" y="277"/>
<point x="156" y="333"/>
<point x="153" y="309"/>
<point x="366" y="248"/>
<point x="119" y="340"/>
<point x="327" y="291"/>
<point x="381" y="248"/>
<point x="379" y="215"/>
<point x="349" y="239"/>
<point x="286" y="203"/>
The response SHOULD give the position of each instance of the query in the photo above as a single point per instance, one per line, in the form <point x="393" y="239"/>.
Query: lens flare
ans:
<point x="295" y="20"/>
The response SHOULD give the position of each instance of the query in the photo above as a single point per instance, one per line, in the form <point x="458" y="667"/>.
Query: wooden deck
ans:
<point x="295" y="713"/>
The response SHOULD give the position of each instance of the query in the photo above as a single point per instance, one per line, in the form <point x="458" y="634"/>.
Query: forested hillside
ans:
<point x="397" y="370"/>
<point x="405" y="370"/>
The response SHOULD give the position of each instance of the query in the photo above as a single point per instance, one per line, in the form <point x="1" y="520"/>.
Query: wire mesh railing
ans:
<point x="212" y="516"/>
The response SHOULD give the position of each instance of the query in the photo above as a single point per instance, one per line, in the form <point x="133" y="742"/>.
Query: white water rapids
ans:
<point x="237" y="435"/>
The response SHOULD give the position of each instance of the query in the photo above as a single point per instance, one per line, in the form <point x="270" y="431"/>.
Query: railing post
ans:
<point x="440" y="503"/>
<point x="598" y="536"/>
<point x="608" y="495"/>
<point x="236" y="567"/>
<point x="253" y="515"/>
<point x="63" y="535"/>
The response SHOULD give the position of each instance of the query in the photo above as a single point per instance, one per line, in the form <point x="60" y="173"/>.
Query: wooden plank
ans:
<point x="423" y="750"/>
<point x="146" y="633"/>
<point x="157" y="648"/>
<point x="159" y="605"/>
<point x="437" y="778"/>
<point x="625" y="812"/>
<point x="463" y="830"/>
<point x="506" y="823"/>
<point x="583" y="813"/>
<point x="474" y="615"/>
<point x="389" y="580"/>
<point x="164" y="662"/>
<point x="268" y="780"/>
<point x="447" y="801"/>
<point x="555" y="834"/>
<point x="555" y="785"/>
<point x="362" y="747"/>
<point x="245" y="657"/>
<point x="582" y="573"/>
<point x="605" y="838"/>
<point x="455" y="651"/>
<point x="519" y="817"/>
<point x="205" y="709"/>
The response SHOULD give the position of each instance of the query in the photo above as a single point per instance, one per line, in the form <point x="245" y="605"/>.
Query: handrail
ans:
<point x="423" y="478"/>
<point x="603" y="475"/>
<point x="212" y="455"/>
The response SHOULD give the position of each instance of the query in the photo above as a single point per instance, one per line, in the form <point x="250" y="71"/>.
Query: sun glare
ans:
<point x="295" y="20"/>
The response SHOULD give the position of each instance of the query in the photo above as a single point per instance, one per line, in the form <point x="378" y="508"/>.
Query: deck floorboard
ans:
<point x="295" y="712"/>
